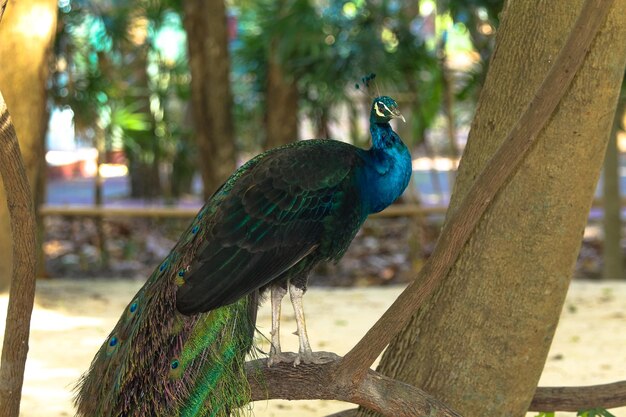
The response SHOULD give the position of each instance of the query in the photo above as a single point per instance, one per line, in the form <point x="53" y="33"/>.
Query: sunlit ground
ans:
<point x="72" y="318"/>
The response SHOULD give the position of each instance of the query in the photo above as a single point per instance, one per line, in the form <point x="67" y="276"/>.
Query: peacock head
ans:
<point x="384" y="109"/>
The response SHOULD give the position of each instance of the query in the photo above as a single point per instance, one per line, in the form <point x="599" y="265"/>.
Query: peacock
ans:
<point x="179" y="347"/>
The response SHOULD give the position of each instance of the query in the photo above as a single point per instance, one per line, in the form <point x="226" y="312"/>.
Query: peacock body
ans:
<point x="179" y="347"/>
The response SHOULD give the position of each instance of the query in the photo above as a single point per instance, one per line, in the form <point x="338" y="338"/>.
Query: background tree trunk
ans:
<point x="145" y="180"/>
<point x="480" y="343"/>
<point x="99" y="199"/>
<point x="281" y="110"/>
<point x="207" y="41"/>
<point x="613" y="258"/>
<point x="26" y="35"/>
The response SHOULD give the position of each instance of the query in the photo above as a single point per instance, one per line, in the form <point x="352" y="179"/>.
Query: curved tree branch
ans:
<point x="308" y="381"/>
<point x="394" y="398"/>
<point x="22" y="293"/>
<point x="579" y="398"/>
<point x="463" y="222"/>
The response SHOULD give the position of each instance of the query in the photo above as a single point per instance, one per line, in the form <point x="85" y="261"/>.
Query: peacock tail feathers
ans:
<point x="158" y="362"/>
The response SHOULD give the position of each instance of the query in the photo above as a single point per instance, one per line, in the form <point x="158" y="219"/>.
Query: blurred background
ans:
<point x="122" y="109"/>
<point x="132" y="141"/>
<point x="131" y="113"/>
<point x="149" y="105"/>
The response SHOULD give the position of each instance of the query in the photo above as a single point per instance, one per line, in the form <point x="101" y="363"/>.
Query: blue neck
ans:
<point x="382" y="134"/>
<point x="386" y="170"/>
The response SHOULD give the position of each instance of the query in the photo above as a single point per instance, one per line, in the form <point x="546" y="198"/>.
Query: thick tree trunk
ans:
<point x="207" y="41"/>
<point x="613" y="258"/>
<point x="26" y="35"/>
<point x="281" y="110"/>
<point x="480" y="343"/>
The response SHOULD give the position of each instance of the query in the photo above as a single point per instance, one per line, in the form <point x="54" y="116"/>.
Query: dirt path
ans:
<point x="72" y="318"/>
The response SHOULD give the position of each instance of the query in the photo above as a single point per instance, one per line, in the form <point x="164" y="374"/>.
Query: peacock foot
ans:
<point x="278" y="357"/>
<point x="318" y="358"/>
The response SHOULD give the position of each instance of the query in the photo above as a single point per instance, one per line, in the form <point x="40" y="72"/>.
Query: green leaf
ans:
<point x="595" y="412"/>
<point x="130" y="117"/>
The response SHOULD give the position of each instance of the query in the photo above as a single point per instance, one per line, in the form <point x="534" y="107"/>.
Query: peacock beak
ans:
<point x="397" y="115"/>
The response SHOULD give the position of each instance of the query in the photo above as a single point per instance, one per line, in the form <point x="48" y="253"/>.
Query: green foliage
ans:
<point x="481" y="19"/>
<point x="121" y="66"/>
<point x="336" y="44"/>
<point x="594" y="412"/>
<point x="122" y="77"/>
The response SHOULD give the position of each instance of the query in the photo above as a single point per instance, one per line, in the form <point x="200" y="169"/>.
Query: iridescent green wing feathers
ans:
<point x="272" y="213"/>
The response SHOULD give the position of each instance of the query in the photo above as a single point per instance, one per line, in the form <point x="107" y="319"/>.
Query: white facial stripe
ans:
<point x="388" y="109"/>
<point x="378" y="112"/>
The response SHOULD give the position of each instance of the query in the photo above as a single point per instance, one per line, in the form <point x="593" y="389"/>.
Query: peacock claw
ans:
<point x="317" y="358"/>
<point x="279" y="357"/>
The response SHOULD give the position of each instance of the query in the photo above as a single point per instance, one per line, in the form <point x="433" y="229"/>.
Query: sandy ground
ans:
<point x="72" y="318"/>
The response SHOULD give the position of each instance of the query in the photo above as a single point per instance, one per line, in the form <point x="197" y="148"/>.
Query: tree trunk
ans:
<point x="144" y="176"/>
<point x="99" y="199"/>
<point x="322" y="125"/>
<point x="211" y="99"/>
<point x="145" y="179"/>
<point x="183" y="167"/>
<point x="480" y="343"/>
<point x="26" y="35"/>
<point x="23" y="241"/>
<point x="613" y="258"/>
<point x="281" y="110"/>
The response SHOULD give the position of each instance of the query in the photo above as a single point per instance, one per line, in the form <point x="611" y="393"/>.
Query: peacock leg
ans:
<point x="305" y="354"/>
<point x="276" y="355"/>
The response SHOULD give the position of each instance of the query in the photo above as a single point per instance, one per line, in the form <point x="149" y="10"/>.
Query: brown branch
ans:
<point x="393" y="398"/>
<point x="22" y="293"/>
<point x="3" y="6"/>
<point x="308" y="381"/>
<point x="463" y="221"/>
<point x="579" y="398"/>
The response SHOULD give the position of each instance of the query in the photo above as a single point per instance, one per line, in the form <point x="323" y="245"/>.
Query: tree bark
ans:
<point x="504" y="295"/>
<point x="568" y="398"/>
<point x="310" y="381"/>
<point x="281" y="99"/>
<point x="22" y="235"/>
<point x="99" y="199"/>
<point x="211" y="99"/>
<point x="145" y="181"/>
<point x="612" y="253"/>
<point x="26" y="35"/>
